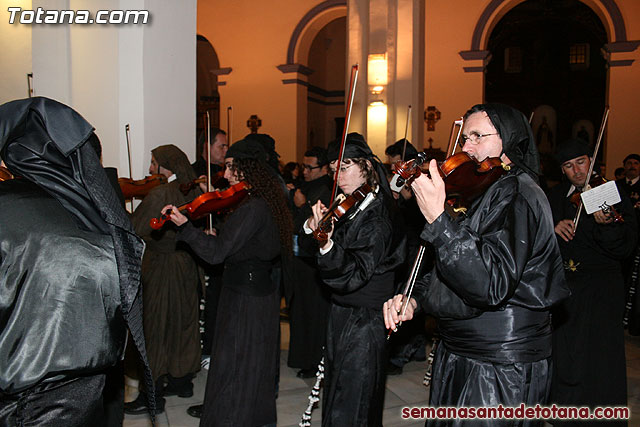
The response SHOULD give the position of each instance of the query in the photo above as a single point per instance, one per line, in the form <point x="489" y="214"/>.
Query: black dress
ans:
<point x="498" y="272"/>
<point x="359" y="269"/>
<point x="588" y="337"/>
<point x="241" y="389"/>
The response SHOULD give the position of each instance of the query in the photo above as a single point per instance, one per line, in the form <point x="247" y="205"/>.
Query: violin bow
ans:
<point x="453" y="142"/>
<point x="406" y="130"/>
<point x="408" y="288"/>
<point x="127" y="135"/>
<point x="605" y="117"/>
<point x="208" y="130"/>
<point x="352" y="91"/>
<point x="30" y="84"/>
<point x="229" y="122"/>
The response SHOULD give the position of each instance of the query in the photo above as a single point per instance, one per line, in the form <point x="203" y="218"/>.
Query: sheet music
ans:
<point x="600" y="197"/>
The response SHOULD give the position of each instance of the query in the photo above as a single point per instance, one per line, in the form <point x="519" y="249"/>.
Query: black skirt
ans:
<point x="241" y="386"/>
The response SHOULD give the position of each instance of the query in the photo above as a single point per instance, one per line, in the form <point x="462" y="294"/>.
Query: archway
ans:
<point x="548" y="53"/>
<point x="297" y="70"/>
<point x="325" y="90"/>
<point x="207" y="95"/>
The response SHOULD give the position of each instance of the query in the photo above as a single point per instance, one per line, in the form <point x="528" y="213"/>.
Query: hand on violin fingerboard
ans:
<point x="319" y="210"/>
<point x="174" y="215"/>
<point x="430" y="193"/>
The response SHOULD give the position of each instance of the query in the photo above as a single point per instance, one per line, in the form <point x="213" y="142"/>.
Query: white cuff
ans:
<point x="306" y="228"/>
<point x="324" y="251"/>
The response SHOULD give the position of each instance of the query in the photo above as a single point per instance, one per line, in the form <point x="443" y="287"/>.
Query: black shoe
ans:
<point x="186" y="391"/>
<point x="306" y="373"/>
<point x="393" y="369"/>
<point x="195" y="411"/>
<point x="139" y="406"/>
<point x="420" y="358"/>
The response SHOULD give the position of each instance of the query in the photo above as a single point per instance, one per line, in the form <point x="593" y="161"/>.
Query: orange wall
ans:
<point x="252" y="38"/>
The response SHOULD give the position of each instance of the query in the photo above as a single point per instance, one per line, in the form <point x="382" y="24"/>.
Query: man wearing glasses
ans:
<point x="497" y="273"/>
<point x="310" y="300"/>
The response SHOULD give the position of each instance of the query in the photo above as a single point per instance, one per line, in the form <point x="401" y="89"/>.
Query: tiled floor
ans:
<point x="401" y="390"/>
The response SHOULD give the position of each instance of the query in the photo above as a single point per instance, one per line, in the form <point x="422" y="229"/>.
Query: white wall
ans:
<point x="141" y="74"/>
<point x="15" y="59"/>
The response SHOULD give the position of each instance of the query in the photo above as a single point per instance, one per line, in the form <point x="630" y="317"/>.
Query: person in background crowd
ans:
<point x="219" y="147"/>
<point x="410" y="341"/>
<point x="588" y="337"/>
<point x="310" y="297"/>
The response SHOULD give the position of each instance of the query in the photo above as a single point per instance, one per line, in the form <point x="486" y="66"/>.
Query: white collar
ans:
<point x="633" y="181"/>
<point x="571" y="190"/>
<point x="172" y="178"/>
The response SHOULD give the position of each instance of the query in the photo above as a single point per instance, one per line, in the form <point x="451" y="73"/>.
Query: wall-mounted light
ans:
<point x="377" y="72"/>
<point x="377" y="112"/>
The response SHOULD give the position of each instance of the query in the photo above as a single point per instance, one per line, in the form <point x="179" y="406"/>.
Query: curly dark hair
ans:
<point x="266" y="185"/>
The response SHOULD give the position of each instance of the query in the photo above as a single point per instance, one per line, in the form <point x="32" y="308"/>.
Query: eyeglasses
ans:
<point x="475" y="137"/>
<point x="310" y="168"/>
<point x="342" y="168"/>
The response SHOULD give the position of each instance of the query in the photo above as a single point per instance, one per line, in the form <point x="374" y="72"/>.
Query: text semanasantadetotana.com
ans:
<point x="521" y="412"/>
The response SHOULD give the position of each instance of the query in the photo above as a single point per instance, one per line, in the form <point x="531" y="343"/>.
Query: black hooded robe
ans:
<point x="61" y="220"/>
<point x="498" y="272"/>
<point x="170" y="279"/>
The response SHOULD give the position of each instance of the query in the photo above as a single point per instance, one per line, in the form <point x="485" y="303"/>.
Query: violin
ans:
<point x="595" y="181"/>
<point x="5" y="175"/>
<point x="465" y="178"/>
<point x="140" y="188"/>
<point x="339" y="208"/>
<point x="211" y="202"/>
<point x="217" y="181"/>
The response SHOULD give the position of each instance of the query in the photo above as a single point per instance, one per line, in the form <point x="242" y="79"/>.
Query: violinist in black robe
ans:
<point x="69" y="270"/>
<point x="498" y="272"/>
<point x="241" y="385"/>
<point x="588" y="336"/>
<point x="357" y="263"/>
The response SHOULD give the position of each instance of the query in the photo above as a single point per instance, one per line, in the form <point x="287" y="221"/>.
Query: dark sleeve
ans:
<point x="618" y="239"/>
<point x="484" y="267"/>
<point x="239" y="228"/>
<point x="147" y="209"/>
<point x="349" y="266"/>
